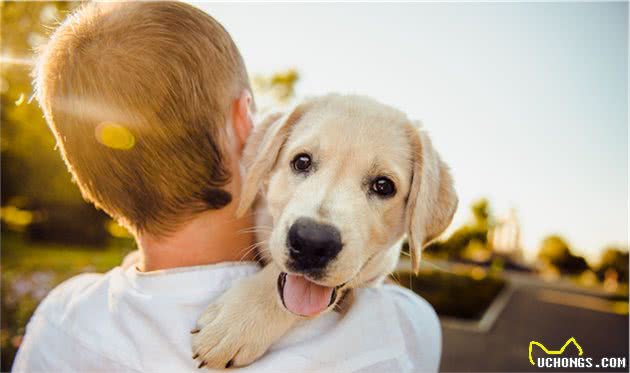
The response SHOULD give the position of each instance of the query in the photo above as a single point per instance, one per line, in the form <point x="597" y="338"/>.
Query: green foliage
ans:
<point x="481" y="213"/>
<point x="555" y="251"/>
<point x="553" y="248"/>
<point x="279" y="86"/>
<point x="455" y="245"/>
<point x="31" y="167"/>
<point x="34" y="177"/>
<point x="475" y="233"/>
<point x="614" y="259"/>
<point x="455" y="295"/>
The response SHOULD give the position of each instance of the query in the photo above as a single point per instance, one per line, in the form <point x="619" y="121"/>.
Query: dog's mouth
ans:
<point x="304" y="297"/>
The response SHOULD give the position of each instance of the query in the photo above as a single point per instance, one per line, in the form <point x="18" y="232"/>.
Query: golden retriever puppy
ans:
<point x="335" y="184"/>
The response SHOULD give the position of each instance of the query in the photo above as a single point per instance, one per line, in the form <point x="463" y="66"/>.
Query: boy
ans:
<point x="151" y="107"/>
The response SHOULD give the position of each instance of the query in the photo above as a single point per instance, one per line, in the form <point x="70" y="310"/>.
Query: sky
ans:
<point x="527" y="102"/>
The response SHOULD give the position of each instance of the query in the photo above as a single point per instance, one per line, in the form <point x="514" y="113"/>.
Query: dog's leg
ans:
<point x="245" y="321"/>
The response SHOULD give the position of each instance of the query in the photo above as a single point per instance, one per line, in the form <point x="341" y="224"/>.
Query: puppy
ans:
<point x="335" y="185"/>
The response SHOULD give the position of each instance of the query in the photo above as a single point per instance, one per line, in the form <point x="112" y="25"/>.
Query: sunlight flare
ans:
<point x="115" y="136"/>
<point x="20" y="100"/>
<point x="16" y="61"/>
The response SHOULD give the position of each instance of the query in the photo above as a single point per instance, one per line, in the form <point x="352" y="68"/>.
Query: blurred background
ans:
<point x="527" y="102"/>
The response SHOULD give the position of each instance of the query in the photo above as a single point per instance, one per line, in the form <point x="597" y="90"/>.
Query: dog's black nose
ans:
<point x="312" y="245"/>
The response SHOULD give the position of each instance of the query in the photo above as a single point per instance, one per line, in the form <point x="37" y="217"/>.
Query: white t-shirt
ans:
<point x="131" y="321"/>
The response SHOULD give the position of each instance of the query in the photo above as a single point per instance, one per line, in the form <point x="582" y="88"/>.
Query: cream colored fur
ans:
<point x="352" y="139"/>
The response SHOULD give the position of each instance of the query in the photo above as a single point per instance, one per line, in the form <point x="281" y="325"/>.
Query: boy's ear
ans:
<point x="432" y="199"/>
<point x="262" y="150"/>
<point x="242" y="122"/>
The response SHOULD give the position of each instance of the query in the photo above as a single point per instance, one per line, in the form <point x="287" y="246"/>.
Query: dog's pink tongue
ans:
<point x="304" y="297"/>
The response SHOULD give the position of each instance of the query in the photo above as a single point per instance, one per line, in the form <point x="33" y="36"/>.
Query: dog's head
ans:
<point x="344" y="177"/>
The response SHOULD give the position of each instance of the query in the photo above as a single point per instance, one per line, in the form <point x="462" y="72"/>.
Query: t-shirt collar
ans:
<point x="210" y="278"/>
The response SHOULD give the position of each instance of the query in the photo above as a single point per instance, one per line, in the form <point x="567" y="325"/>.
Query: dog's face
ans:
<point x="337" y="191"/>
<point x="341" y="176"/>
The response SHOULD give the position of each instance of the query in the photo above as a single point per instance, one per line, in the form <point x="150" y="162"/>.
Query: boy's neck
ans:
<point x="211" y="237"/>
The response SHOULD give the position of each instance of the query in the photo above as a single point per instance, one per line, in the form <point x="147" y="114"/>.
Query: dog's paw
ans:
<point x="227" y="337"/>
<point x="241" y="325"/>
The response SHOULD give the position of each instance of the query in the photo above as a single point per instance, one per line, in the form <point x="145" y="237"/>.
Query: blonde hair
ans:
<point x="138" y="96"/>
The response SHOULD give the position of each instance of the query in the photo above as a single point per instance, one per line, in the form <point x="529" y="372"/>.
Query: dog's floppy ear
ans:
<point x="262" y="150"/>
<point x="432" y="198"/>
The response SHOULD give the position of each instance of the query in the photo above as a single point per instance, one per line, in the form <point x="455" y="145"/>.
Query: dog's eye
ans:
<point x="302" y="162"/>
<point x="383" y="187"/>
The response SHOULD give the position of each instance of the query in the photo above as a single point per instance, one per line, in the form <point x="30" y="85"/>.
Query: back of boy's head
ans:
<point x="138" y="97"/>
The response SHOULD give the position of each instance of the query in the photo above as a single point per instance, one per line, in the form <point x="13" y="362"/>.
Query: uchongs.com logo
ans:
<point x="554" y="358"/>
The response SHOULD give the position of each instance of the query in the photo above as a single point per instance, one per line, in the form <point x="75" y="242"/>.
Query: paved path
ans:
<point x="536" y="313"/>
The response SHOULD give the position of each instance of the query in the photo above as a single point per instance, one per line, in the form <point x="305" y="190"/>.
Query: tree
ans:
<point x="31" y="167"/>
<point x="280" y="86"/>
<point x="481" y="213"/>
<point x="614" y="259"/>
<point x="555" y="251"/>
<point x="475" y="233"/>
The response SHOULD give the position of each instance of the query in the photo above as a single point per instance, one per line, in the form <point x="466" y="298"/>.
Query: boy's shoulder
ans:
<point x="411" y="320"/>
<point x="414" y="316"/>
<point x="404" y="299"/>
<point x="67" y="322"/>
<point x="74" y="295"/>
